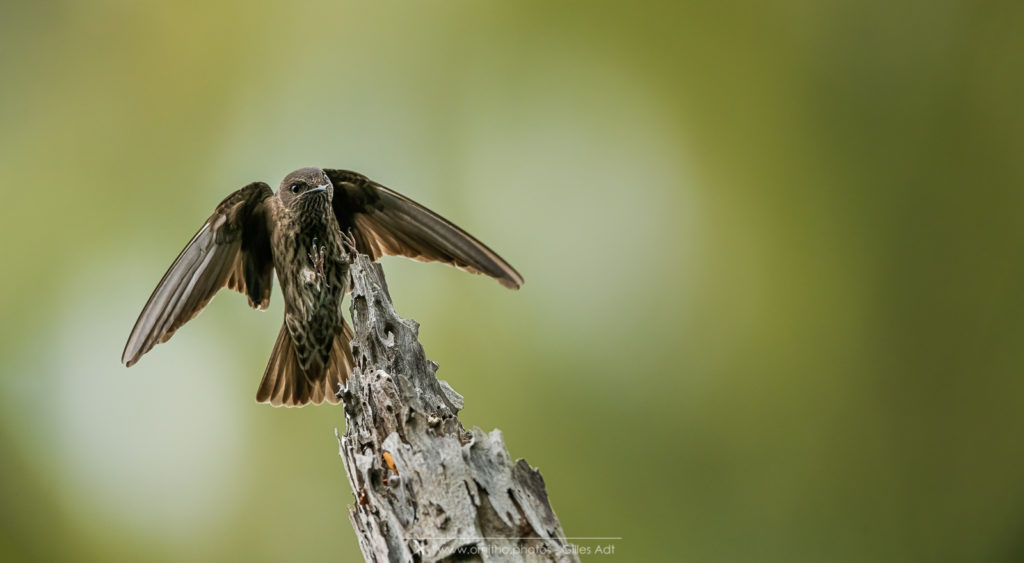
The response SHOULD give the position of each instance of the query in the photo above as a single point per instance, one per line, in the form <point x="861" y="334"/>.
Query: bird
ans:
<point x="301" y="233"/>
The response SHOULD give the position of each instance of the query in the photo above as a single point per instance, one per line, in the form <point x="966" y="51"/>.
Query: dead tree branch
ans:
<point x="426" y="489"/>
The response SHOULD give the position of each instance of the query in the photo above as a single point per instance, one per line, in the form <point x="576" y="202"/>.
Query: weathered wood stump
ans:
<point x="426" y="489"/>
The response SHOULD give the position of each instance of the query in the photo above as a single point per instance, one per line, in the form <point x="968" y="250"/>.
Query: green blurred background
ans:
<point x="773" y="252"/>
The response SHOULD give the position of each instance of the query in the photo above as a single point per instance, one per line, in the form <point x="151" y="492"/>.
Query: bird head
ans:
<point x="305" y="186"/>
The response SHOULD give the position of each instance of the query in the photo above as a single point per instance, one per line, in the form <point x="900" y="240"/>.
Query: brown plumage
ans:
<point x="298" y="232"/>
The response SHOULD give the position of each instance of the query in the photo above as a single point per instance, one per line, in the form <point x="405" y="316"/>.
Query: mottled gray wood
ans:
<point x="457" y="495"/>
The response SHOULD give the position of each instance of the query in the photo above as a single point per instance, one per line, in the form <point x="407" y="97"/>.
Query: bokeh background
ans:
<point x="773" y="250"/>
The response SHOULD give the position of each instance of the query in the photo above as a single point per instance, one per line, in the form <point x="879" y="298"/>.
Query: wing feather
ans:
<point x="383" y="221"/>
<point x="230" y="250"/>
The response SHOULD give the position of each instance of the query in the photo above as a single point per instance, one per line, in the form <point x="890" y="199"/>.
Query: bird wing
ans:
<point x="231" y="249"/>
<point x="385" y="222"/>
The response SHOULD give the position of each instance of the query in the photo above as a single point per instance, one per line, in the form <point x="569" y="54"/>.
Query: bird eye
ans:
<point x="296" y="188"/>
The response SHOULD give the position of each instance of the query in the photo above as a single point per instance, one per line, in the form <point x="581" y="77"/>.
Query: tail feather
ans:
<point x="286" y="384"/>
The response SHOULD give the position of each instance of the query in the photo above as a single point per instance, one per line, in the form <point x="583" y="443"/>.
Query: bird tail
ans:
<point x="286" y="384"/>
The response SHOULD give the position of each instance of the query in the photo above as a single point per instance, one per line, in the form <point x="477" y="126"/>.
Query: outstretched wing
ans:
<point x="231" y="249"/>
<point x="385" y="222"/>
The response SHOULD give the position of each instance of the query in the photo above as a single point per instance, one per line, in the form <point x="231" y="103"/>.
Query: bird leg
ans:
<point x="317" y="255"/>
<point x="348" y="242"/>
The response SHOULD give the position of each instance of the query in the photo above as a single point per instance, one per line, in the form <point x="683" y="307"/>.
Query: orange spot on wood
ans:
<point x="390" y="461"/>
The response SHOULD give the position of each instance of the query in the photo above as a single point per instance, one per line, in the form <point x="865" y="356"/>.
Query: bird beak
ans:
<point x="320" y="188"/>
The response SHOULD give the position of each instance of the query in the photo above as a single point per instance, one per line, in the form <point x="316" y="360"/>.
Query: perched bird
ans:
<point x="299" y="232"/>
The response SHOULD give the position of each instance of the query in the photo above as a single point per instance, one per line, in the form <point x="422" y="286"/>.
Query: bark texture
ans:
<point x="426" y="489"/>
